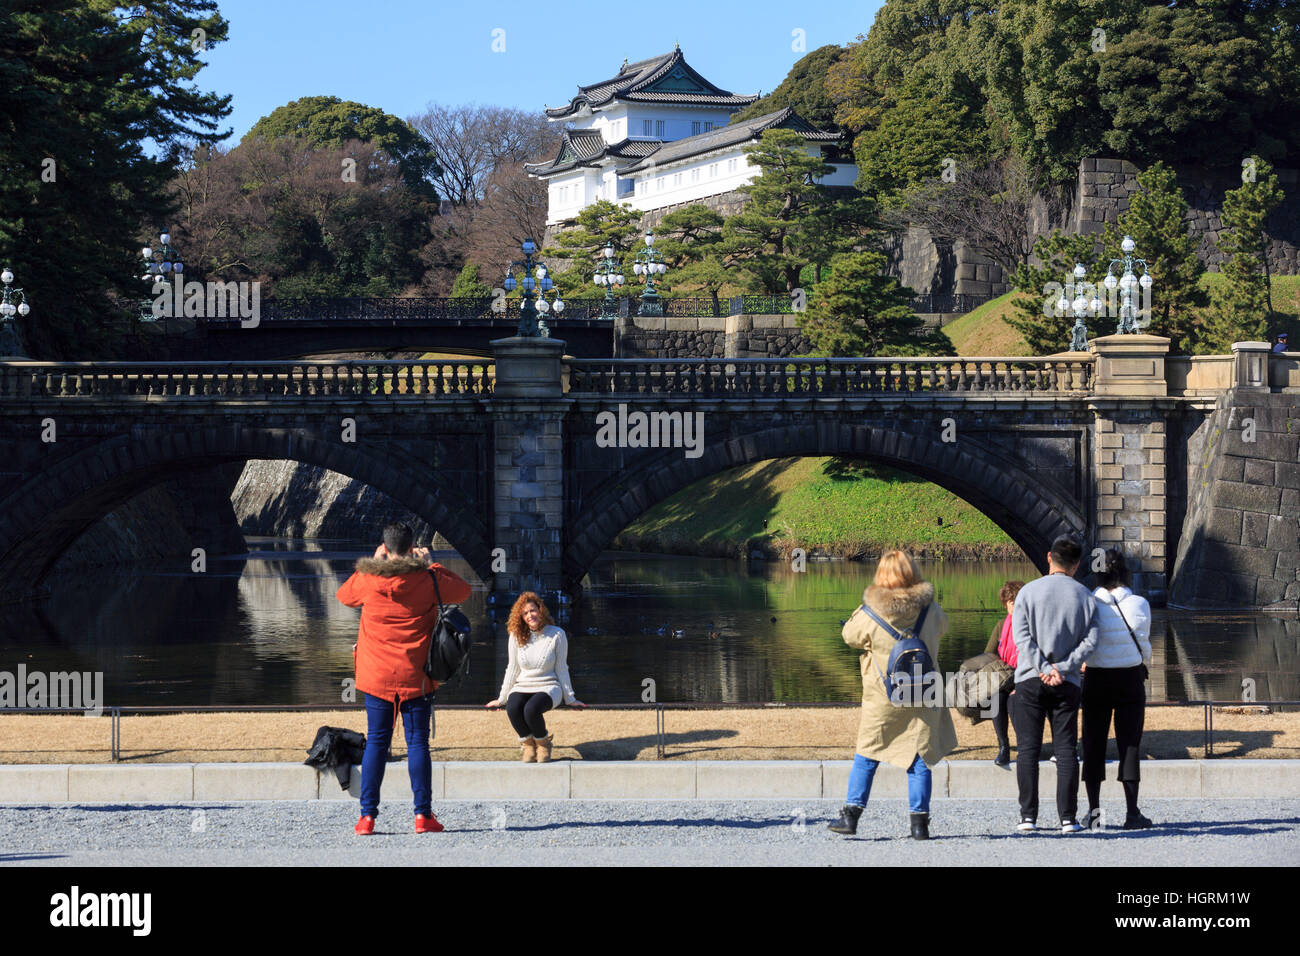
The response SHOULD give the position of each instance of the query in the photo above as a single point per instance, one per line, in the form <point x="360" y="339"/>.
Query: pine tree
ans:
<point x="772" y="239"/>
<point x="859" y="310"/>
<point x="1157" y="221"/>
<point x="690" y="241"/>
<point x="600" y="224"/>
<point x="1242" y="308"/>
<point x="1036" y="318"/>
<point x="84" y="86"/>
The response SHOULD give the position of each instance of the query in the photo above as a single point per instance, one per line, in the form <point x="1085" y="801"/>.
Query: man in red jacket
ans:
<point x="399" y="607"/>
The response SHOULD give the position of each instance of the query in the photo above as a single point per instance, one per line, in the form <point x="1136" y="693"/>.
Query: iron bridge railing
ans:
<point x="830" y="376"/>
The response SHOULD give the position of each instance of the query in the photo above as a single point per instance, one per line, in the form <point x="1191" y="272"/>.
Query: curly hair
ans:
<point x="516" y="626"/>
<point x="1010" y="590"/>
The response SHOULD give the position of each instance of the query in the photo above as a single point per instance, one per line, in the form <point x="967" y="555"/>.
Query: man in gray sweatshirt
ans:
<point x="1055" y="628"/>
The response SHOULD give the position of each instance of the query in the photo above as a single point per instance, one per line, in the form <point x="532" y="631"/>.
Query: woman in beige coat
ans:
<point x="911" y="737"/>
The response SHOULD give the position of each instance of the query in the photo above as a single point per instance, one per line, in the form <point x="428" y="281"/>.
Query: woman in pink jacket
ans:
<point x="1004" y="644"/>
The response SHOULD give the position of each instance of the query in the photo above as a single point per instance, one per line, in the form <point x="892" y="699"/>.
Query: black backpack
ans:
<point x="910" y="665"/>
<point x="450" y="643"/>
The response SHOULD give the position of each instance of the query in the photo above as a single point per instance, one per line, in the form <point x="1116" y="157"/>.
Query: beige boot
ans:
<point x="529" y="746"/>
<point x="544" y="748"/>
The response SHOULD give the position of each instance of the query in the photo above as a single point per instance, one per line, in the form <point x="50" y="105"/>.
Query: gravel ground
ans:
<point x="662" y="832"/>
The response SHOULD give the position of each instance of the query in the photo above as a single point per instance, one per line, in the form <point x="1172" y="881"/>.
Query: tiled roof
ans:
<point x="583" y="147"/>
<point x="636" y="82"/>
<point x="731" y="135"/>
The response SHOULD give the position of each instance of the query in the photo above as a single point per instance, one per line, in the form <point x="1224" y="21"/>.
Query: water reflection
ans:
<point x="266" y="628"/>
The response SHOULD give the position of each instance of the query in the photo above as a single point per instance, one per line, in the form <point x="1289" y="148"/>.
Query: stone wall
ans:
<point x="1102" y="193"/>
<point x="1240" y="543"/>
<point x="731" y="336"/>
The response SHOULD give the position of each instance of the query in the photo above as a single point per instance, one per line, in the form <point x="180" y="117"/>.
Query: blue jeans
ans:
<point x="415" y="722"/>
<point x="919" y="783"/>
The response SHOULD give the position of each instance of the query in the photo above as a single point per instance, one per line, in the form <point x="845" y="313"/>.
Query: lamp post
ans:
<point x="8" y="324"/>
<point x="649" y="264"/>
<point x="610" y="275"/>
<point x="530" y="326"/>
<point x="1082" y="307"/>
<point x="158" y="265"/>
<point x="1127" y="283"/>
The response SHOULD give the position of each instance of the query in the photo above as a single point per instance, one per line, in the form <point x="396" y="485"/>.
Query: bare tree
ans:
<point x="473" y="142"/>
<point x="987" y="207"/>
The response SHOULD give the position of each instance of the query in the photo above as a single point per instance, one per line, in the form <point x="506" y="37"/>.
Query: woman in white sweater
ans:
<point x="537" y="675"/>
<point x="1114" y="681"/>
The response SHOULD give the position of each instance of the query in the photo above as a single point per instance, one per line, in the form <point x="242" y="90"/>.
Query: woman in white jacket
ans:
<point x="537" y="675"/>
<point x="1114" y="681"/>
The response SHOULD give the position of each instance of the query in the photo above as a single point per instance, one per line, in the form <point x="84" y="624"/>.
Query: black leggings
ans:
<point x="525" y="713"/>
<point x="1002" y="717"/>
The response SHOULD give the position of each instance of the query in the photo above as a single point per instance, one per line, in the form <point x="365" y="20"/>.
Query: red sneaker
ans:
<point x="365" y="826"/>
<point x="427" y="824"/>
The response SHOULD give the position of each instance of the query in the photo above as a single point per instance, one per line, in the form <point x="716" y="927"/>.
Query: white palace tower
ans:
<point x="656" y="136"/>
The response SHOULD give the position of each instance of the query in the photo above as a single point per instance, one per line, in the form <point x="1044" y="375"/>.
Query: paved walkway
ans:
<point x="654" y="832"/>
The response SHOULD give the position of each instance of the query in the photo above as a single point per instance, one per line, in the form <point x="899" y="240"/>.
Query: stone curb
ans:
<point x="611" y="780"/>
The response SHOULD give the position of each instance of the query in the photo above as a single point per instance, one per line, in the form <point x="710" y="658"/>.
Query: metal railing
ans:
<point x="660" y="709"/>
<point x="400" y="310"/>
<point x="961" y="302"/>
<point x="252" y="380"/>
<point x="829" y="376"/>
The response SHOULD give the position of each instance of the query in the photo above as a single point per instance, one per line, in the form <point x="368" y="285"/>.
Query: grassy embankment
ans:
<point x="855" y="509"/>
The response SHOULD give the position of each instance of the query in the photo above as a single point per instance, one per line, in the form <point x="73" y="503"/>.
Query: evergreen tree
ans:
<point x="859" y="310"/>
<point x="1157" y="220"/>
<point x="1242" y="307"/>
<point x="600" y="224"/>
<point x="1041" y="285"/>
<point x="83" y="86"/>
<point x="468" y="285"/>
<point x="690" y="241"/>
<point x="330" y="122"/>
<point x="773" y="238"/>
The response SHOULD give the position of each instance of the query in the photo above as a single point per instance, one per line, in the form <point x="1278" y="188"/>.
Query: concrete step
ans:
<point x="630" y="779"/>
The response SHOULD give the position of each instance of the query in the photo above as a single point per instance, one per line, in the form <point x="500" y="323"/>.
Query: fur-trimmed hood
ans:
<point x="390" y="567"/>
<point x="897" y="605"/>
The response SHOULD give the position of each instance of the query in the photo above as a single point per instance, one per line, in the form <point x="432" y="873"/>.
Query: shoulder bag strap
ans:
<point x="1115" y="604"/>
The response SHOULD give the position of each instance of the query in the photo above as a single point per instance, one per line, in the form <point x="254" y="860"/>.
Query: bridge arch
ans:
<point x="44" y="516"/>
<point x="1030" y="513"/>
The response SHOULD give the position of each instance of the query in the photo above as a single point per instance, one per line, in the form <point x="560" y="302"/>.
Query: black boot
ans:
<point x="848" y="821"/>
<point x="1003" y="759"/>
<point x="920" y="826"/>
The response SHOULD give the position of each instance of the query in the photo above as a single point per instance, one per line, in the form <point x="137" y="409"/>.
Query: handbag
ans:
<point x="1146" y="671"/>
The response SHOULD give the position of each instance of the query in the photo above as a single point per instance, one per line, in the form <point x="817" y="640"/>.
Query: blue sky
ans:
<point x="400" y="55"/>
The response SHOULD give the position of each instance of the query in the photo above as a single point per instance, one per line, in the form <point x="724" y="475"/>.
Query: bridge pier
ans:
<point x="527" y="412"/>
<point x="1129" y="455"/>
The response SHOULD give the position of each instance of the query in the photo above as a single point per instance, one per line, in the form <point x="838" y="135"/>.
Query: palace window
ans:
<point x="677" y="179"/>
<point x="707" y="126"/>
<point x="695" y="127"/>
<point x="713" y="170"/>
<point x="646" y="126"/>
<point x="695" y="175"/>
<point x="659" y="128"/>
<point x="659" y="187"/>
<point x="731" y="165"/>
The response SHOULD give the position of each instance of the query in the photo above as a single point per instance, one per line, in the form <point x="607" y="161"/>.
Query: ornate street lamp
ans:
<point x="1128" y="283"/>
<point x="159" y="264"/>
<point x="610" y="275"/>
<point x="530" y="326"/>
<point x="1082" y="307"/>
<point x="649" y="264"/>
<point x="8" y="324"/>
<point x="7" y="308"/>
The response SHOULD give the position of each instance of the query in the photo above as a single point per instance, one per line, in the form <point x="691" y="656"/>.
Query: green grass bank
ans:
<point x="833" y="507"/>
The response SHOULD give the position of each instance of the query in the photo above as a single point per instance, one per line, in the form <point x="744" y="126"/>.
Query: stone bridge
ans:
<point x="530" y="463"/>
